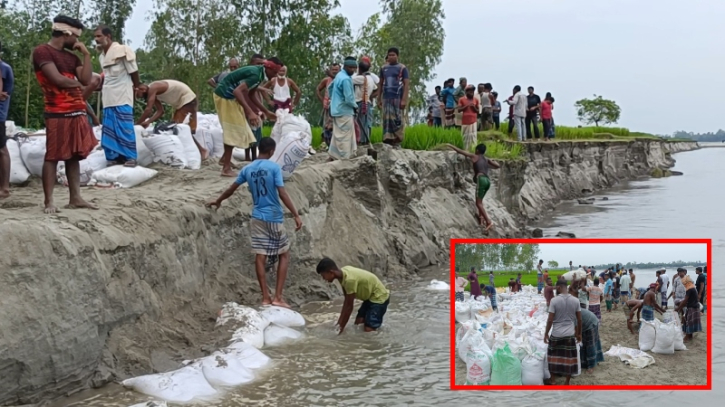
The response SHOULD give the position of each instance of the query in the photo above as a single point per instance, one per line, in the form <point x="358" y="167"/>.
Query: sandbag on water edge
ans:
<point x="283" y="316"/>
<point x="225" y="370"/>
<point x="275" y="335"/>
<point x="249" y="356"/>
<point x="438" y="285"/>
<point x="247" y="324"/>
<point x="180" y="386"/>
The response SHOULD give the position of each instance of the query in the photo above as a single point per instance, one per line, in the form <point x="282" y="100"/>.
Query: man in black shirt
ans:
<point x="532" y="113"/>
<point x="701" y="285"/>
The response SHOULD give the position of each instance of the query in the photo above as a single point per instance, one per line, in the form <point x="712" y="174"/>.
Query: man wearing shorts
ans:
<point x="360" y="284"/>
<point x="267" y="228"/>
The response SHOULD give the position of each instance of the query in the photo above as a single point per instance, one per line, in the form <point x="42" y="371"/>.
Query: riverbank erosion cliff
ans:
<point x="88" y="297"/>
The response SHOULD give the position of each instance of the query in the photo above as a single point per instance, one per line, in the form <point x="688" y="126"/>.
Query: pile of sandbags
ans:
<point x="206" y="379"/>
<point x="660" y="337"/>
<point x="437" y="285"/>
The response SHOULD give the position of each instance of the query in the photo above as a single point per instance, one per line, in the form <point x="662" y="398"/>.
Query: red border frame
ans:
<point x="454" y="386"/>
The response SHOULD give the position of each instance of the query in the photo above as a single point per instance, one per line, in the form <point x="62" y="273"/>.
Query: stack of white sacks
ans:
<point x="208" y="378"/>
<point x="663" y="337"/>
<point x="175" y="149"/>
<point x="505" y="347"/>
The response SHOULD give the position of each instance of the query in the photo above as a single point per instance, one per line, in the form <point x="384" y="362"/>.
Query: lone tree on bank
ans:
<point x="553" y="264"/>
<point x="597" y="110"/>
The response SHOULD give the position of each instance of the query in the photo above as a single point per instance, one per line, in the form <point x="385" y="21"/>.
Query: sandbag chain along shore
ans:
<point x="127" y="268"/>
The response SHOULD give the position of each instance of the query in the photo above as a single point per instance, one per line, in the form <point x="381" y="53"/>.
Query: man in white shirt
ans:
<point x="664" y="288"/>
<point x="120" y="81"/>
<point x="365" y="84"/>
<point x="519" y="102"/>
<point x="678" y="289"/>
<point x="625" y="283"/>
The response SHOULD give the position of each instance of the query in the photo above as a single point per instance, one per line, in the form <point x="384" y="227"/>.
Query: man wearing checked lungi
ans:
<point x="267" y="224"/>
<point x="564" y="323"/>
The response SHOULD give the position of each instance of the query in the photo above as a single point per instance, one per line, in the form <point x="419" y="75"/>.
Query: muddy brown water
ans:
<point x="407" y="363"/>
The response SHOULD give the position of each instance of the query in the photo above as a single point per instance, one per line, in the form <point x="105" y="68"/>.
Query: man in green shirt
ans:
<point x="237" y="105"/>
<point x="360" y="284"/>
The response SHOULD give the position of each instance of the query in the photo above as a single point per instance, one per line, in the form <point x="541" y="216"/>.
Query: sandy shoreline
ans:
<point x="683" y="368"/>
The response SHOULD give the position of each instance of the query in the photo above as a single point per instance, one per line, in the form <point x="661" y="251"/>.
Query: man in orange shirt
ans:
<point x="468" y="105"/>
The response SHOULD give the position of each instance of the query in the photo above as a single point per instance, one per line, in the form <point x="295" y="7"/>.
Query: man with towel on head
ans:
<point x="120" y="73"/>
<point x="342" y="110"/>
<point x="61" y="75"/>
<point x="237" y="105"/>
<point x="176" y="94"/>
<point x="692" y="315"/>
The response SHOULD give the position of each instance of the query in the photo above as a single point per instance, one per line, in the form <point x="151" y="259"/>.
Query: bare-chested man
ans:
<point x="635" y="307"/>
<point x="650" y="303"/>
<point x="323" y="94"/>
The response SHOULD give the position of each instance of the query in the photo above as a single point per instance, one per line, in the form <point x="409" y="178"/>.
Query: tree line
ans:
<point x="497" y="257"/>
<point x="192" y="40"/>
<point x="650" y="265"/>
<point x="717" y="136"/>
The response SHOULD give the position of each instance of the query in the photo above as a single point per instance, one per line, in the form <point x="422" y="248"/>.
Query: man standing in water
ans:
<point x="61" y="74"/>
<point x="360" y="284"/>
<point x="323" y="94"/>
<point x="342" y="110"/>
<point x="7" y="82"/>
<point x="121" y="78"/>
<point x="481" y="165"/>
<point x="566" y="320"/>
<point x="237" y="105"/>
<point x="393" y="100"/>
<point x="267" y="224"/>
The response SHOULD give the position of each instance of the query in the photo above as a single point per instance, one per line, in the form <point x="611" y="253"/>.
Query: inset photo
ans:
<point x="580" y="314"/>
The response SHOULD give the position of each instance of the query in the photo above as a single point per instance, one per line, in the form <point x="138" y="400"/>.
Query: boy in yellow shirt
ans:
<point x="360" y="284"/>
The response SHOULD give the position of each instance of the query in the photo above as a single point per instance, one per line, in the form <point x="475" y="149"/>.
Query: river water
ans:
<point x="407" y="362"/>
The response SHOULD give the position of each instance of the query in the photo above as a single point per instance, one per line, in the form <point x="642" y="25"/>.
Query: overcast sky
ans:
<point x="661" y="60"/>
<point x="595" y="254"/>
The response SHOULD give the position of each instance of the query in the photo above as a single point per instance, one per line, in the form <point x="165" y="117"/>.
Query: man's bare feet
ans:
<point x="229" y="174"/>
<point x="4" y="194"/>
<point x="281" y="303"/>
<point x="489" y="227"/>
<point x="50" y="208"/>
<point x="80" y="204"/>
<point x="266" y="303"/>
<point x="204" y="154"/>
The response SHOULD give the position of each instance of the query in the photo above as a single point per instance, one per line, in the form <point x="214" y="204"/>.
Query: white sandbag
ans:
<point x="120" y="176"/>
<point x="578" y="360"/>
<point x="180" y="386"/>
<point x="463" y="312"/>
<point x="193" y="155"/>
<point x="204" y="138"/>
<point x="246" y="324"/>
<point x="438" y="285"/>
<point x="32" y="152"/>
<point x="249" y="356"/>
<point x="289" y="153"/>
<point x="10" y="128"/>
<point x="95" y="161"/>
<point x="18" y="173"/>
<point x="239" y="154"/>
<point x="98" y="132"/>
<point x="647" y="335"/>
<point x="470" y="337"/>
<point x="166" y="149"/>
<point x="283" y="317"/>
<point x="224" y="370"/>
<point x="275" y="335"/>
<point x="151" y="404"/>
<point x="144" y="156"/>
<point x="478" y="364"/>
<point x="547" y="374"/>
<point x="287" y="123"/>
<point x="665" y="338"/>
<point x="574" y="274"/>
<point x="217" y="138"/>
<point x="532" y="370"/>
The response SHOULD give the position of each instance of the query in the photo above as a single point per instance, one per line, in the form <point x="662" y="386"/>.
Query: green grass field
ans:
<point x="501" y="278"/>
<point x="500" y="146"/>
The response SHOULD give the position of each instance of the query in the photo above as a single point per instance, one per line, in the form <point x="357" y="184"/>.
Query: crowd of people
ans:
<point x="575" y="312"/>
<point x="471" y="109"/>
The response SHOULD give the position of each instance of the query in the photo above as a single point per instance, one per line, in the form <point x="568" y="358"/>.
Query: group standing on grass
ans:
<point x="474" y="109"/>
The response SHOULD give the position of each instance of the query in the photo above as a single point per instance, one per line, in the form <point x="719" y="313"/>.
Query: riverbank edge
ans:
<point x="96" y="296"/>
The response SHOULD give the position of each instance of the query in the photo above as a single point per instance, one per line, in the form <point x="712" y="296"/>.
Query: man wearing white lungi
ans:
<point x="342" y="110"/>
